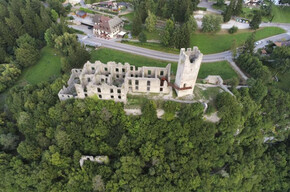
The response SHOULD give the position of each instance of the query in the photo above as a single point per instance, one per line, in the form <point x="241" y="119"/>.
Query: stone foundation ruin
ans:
<point x="113" y="81"/>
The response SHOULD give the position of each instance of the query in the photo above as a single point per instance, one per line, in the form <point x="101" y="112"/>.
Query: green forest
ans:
<point x="43" y="139"/>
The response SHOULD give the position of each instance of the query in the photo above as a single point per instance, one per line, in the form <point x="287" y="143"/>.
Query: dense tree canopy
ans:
<point x="43" y="139"/>
<point x="256" y="21"/>
<point x="22" y="27"/>
<point x="183" y="153"/>
<point x="179" y="9"/>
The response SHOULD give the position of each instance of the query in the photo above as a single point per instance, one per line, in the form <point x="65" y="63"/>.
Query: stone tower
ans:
<point x="187" y="71"/>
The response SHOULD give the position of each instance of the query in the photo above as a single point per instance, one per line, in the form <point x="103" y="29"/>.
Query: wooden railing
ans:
<point x="172" y="84"/>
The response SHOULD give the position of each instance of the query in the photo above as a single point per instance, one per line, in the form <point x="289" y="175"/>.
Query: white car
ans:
<point x="258" y="42"/>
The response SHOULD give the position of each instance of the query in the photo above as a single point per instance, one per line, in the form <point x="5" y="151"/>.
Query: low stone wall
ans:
<point x="98" y="159"/>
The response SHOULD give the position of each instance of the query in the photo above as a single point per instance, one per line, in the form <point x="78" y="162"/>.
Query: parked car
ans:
<point x="258" y="42"/>
<point x="90" y="27"/>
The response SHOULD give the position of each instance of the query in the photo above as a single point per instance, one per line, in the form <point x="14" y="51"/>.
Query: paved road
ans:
<point x="208" y="6"/>
<point x="264" y="42"/>
<point x="174" y="57"/>
<point x="150" y="53"/>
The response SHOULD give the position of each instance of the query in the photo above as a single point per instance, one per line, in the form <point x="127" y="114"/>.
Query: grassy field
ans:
<point x="103" y="12"/>
<point x="208" y="94"/>
<point x="155" y="35"/>
<point x="221" y="68"/>
<point x="215" y="43"/>
<point x="281" y="14"/>
<point x="248" y="13"/>
<point x="105" y="55"/>
<point x="154" y="46"/>
<point x="129" y="16"/>
<point x="284" y="80"/>
<point x="87" y="10"/>
<point x="223" y="8"/>
<point x="48" y="66"/>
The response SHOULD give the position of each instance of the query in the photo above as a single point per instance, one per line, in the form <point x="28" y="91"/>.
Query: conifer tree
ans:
<point x="239" y="8"/>
<point x="137" y="25"/>
<point x="256" y="21"/>
<point x="142" y="37"/>
<point x="229" y="11"/>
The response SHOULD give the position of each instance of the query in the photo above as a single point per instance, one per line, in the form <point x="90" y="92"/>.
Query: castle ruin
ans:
<point x="113" y="81"/>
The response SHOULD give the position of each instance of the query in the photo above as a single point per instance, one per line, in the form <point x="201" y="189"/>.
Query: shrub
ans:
<point x="202" y="8"/>
<point x="210" y="109"/>
<point x="233" y="29"/>
<point x="142" y="37"/>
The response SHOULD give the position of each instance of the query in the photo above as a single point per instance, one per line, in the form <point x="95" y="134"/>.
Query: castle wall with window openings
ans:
<point x="114" y="80"/>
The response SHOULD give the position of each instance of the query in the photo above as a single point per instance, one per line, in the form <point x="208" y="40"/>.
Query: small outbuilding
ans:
<point x="81" y="14"/>
<point x="282" y="43"/>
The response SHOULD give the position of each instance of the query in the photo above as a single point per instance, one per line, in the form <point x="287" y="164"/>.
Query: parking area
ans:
<point x="83" y="28"/>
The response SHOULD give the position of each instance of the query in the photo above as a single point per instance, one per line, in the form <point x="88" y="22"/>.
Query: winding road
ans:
<point x="226" y="55"/>
<point x="174" y="57"/>
<point x="148" y="52"/>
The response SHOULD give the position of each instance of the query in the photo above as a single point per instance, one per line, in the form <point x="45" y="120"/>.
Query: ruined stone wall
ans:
<point x="148" y="80"/>
<point x="112" y="81"/>
<point x="68" y="92"/>
<point x="107" y="92"/>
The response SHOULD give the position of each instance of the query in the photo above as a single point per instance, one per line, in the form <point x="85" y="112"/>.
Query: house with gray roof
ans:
<point x="107" y="27"/>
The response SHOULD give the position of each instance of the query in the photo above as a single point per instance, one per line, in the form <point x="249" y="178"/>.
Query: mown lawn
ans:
<point x="129" y="16"/>
<point x="281" y="14"/>
<point x="221" y="68"/>
<point x="155" y="35"/>
<point x="215" y="43"/>
<point x="105" y="55"/>
<point x="154" y="46"/>
<point x="49" y="66"/>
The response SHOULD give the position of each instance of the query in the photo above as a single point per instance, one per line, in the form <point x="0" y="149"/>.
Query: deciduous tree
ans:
<point x="211" y="23"/>
<point x="150" y="22"/>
